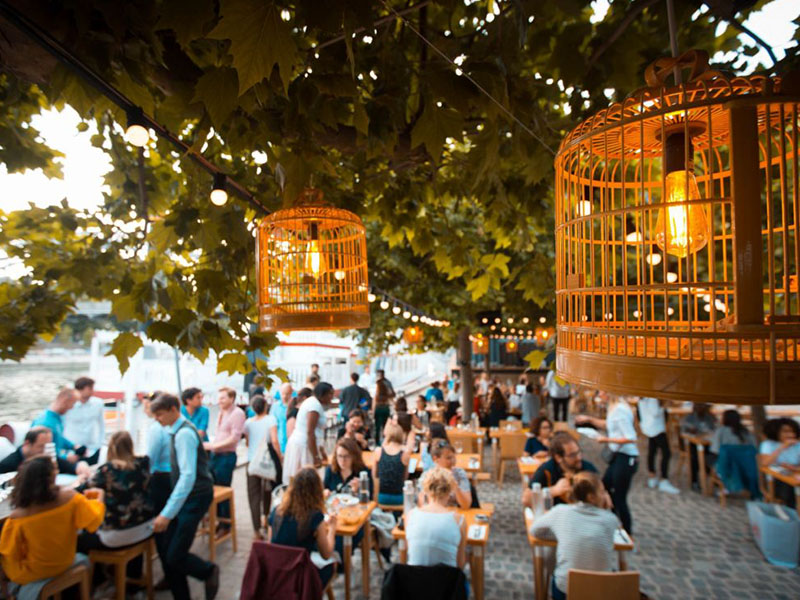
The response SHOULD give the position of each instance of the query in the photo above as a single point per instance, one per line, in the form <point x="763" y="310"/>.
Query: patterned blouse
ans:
<point x="128" y="501"/>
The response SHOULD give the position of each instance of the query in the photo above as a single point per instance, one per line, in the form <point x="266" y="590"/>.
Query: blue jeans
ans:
<point x="391" y="499"/>
<point x="30" y="591"/>
<point x="222" y="466"/>
<point x="174" y="545"/>
<point x="555" y="593"/>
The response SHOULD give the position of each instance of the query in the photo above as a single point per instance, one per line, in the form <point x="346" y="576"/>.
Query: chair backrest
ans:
<point x="275" y="571"/>
<point x="401" y="582"/>
<point x="599" y="585"/>
<point x="510" y="424"/>
<point x="512" y="445"/>
<point x="469" y="443"/>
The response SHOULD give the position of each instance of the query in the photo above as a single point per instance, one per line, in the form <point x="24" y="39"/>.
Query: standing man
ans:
<point x="315" y="371"/>
<point x="434" y="393"/>
<point x="352" y="397"/>
<point x="194" y="410"/>
<point x="84" y="424"/>
<point x="52" y="419"/>
<point x="279" y="410"/>
<point x="230" y="426"/>
<point x="382" y="377"/>
<point x="366" y="379"/>
<point x="559" y="392"/>
<point x="192" y="492"/>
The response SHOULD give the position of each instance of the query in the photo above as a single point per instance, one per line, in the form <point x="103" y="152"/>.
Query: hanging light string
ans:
<point x="403" y="309"/>
<point x="461" y="71"/>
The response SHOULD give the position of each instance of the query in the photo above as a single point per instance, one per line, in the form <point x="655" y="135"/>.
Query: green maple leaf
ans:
<point x="259" y="41"/>
<point x="433" y="127"/>
<point x="217" y="90"/>
<point x="234" y="362"/>
<point x="124" y="346"/>
<point x="187" y="18"/>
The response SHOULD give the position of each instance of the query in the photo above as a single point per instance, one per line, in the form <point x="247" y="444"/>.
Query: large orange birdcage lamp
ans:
<point x="312" y="268"/>
<point x="677" y="244"/>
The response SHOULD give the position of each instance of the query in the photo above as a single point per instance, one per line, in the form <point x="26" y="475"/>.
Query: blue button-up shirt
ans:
<point x="52" y="420"/>
<point x="199" y="419"/>
<point x="186" y="446"/>
<point x="158" y="448"/>
<point x="278" y="410"/>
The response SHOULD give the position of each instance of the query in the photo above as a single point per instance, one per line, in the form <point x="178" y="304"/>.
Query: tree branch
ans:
<point x="739" y="27"/>
<point x="630" y="16"/>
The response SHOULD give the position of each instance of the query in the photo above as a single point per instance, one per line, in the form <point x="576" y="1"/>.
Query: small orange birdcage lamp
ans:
<point x="512" y="346"/>
<point x="413" y="335"/>
<point x="677" y="241"/>
<point x="480" y="345"/>
<point x="312" y="268"/>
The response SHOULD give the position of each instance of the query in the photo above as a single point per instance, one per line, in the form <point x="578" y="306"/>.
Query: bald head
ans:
<point x="65" y="400"/>
<point x="286" y="392"/>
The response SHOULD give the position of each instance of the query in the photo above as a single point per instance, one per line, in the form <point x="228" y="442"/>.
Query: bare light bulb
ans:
<point x="136" y="133"/>
<point x="314" y="261"/>
<point x="384" y="304"/>
<point x="219" y="194"/>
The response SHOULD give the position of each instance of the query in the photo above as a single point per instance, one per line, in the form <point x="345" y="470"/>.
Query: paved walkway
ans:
<point x="688" y="547"/>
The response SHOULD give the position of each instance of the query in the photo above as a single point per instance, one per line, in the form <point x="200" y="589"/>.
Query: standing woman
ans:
<point x="304" y="447"/>
<point x="380" y="407"/>
<point x="624" y="462"/>
<point x="260" y="428"/>
<point x="498" y="407"/>
<point x="652" y="422"/>
<point x="293" y="408"/>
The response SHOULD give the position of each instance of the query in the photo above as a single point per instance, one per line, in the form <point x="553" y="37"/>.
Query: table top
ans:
<point x="496" y="432"/>
<point x="703" y="439"/>
<point x="529" y="468"/>
<point x="467" y="432"/>
<point x="469" y="515"/>
<point x="462" y="460"/>
<point x="351" y="519"/>
<point x="780" y="474"/>
<point x="534" y="541"/>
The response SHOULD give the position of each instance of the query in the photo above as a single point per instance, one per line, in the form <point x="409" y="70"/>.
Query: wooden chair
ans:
<point x="468" y="441"/>
<point x="514" y="425"/>
<point x="512" y="446"/>
<point x="76" y="575"/>
<point x="598" y="585"/>
<point x="120" y="559"/>
<point x="209" y="527"/>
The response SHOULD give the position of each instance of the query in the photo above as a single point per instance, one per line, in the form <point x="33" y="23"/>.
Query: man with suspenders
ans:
<point x="192" y="491"/>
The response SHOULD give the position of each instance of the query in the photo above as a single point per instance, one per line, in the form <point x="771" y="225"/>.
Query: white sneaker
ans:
<point x="666" y="486"/>
<point x="652" y="482"/>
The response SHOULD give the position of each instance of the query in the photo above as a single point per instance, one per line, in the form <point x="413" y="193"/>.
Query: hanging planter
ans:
<point x="312" y="268"/>
<point x="677" y="242"/>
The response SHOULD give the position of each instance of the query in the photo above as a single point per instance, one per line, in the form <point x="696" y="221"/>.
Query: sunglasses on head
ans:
<point x="442" y="444"/>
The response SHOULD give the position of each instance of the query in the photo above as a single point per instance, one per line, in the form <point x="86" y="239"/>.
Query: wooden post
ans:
<point x="759" y="415"/>
<point x="465" y="373"/>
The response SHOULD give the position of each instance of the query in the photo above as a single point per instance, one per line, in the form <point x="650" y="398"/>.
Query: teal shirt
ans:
<point x="52" y="420"/>
<point x="278" y="410"/>
<point x="199" y="419"/>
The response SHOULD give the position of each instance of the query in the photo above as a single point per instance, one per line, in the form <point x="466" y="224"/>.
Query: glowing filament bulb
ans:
<point x="314" y="261"/>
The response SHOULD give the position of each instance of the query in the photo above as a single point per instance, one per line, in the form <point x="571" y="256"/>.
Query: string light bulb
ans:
<point x="396" y="309"/>
<point x="136" y="133"/>
<point x="406" y="314"/>
<point x="384" y="304"/>
<point x="219" y="193"/>
<point x="371" y="297"/>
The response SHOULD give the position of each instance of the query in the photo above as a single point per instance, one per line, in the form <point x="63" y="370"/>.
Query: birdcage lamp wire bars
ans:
<point x="312" y="268"/>
<point x="677" y="244"/>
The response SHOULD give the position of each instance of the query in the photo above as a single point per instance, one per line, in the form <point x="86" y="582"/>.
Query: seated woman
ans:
<point x="538" y="445"/>
<point x="125" y="481"/>
<point x="444" y="456"/>
<point x="436" y="535"/>
<point x="401" y="408"/>
<point x="731" y="433"/>
<point x="390" y="462"/>
<point x="39" y="537"/>
<point x="437" y="431"/>
<point x="584" y="531"/>
<point x="342" y="476"/>
<point x="355" y="430"/>
<point x="422" y="415"/>
<point x="781" y="449"/>
<point x="498" y="407"/>
<point x="299" y="521"/>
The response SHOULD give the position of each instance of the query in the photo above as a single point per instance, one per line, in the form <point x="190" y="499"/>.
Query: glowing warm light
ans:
<point x="584" y="208"/>
<point x="681" y="229"/>
<point x="371" y="298"/>
<point x="672" y="277"/>
<point x="339" y="275"/>
<point x="219" y="197"/>
<point x="415" y="318"/>
<point x="545" y="334"/>
<point x="653" y="259"/>
<point x="633" y="237"/>
<point x="406" y="314"/>
<point x="542" y="320"/>
<point x="137" y="135"/>
<point x="384" y="304"/>
<point x="670" y="311"/>
<point x="636" y="314"/>
<point x="511" y="346"/>
<point x="525" y="320"/>
<point x="313" y="262"/>
<point x="396" y="310"/>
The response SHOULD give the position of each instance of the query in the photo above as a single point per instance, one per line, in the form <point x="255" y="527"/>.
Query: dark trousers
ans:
<point x="381" y="416"/>
<point x="174" y="545"/>
<point x="654" y="444"/>
<point x="560" y="405"/>
<point x="91" y="541"/>
<point x="694" y="463"/>
<point x="259" y="496"/>
<point x="160" y="489"/>
<point x="222" y="466"/>
<point x="617" y="480"/>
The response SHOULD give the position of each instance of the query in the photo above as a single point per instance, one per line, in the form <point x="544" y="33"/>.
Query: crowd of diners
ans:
<point x="120" y="498"/>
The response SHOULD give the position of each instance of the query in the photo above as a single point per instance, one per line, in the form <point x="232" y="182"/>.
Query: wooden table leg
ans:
<point x="403" y="548"/>
<point x="212" y="532"/>
<point x="347" y="559"/>
<point x="538" y="575"/>
<point x="701" y="467"/>
<point x="366" y="545"/>
<point x="476" y="570"/>
<point x="623" y="560"/>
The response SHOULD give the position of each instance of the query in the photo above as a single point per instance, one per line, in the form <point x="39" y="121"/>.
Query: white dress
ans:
<point x="297" y="454"/>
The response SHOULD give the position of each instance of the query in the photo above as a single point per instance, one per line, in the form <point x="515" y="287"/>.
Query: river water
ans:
<point x="26" y="389"/>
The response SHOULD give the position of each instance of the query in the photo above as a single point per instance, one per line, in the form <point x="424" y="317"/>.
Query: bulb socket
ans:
<point x="676" y="156"/>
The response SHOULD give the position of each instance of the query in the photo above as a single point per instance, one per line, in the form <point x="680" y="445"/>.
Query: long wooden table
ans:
<point x="357" y="517"/>
<point x="476" y="547"/>
<point x="527" y="468"/>
<point x="700" y="441"/>
<point x="463" y="461"/>
<point x="540" y="571"/>
<point x="786" y="477"/>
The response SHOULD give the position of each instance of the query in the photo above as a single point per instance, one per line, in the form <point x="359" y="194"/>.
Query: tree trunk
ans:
<point x="759" y="416"/>
<point x="465" y="367"/>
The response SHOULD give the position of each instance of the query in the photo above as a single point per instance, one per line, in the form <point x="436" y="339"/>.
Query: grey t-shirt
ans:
<point x="724" y="436"/>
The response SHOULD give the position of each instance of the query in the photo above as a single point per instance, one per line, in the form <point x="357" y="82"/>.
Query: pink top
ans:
<point x="230" y="423"/>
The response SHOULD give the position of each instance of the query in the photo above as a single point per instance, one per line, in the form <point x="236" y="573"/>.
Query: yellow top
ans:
<point x="43" y="545"/>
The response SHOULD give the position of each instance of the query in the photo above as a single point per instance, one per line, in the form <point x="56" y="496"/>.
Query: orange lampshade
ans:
<point x="512" y="346"/>
<point x="412" y="335"/>
<point x="312" y="268"/>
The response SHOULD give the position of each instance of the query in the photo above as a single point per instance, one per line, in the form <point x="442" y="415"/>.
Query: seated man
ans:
<point x="557" y="472"/>
<point x="354" y="429"/>
<point x="34" y="443"/>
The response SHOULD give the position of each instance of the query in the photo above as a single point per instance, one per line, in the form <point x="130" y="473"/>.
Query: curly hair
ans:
<point x="438" y="484"/>
<point x="303" y="496"/>
<point x="354" y="450"/>
<point x="35" y="483"/>
<point x="772" y="428"/>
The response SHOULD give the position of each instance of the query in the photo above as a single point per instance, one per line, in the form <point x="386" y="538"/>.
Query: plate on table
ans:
<point x="344" y="500"/>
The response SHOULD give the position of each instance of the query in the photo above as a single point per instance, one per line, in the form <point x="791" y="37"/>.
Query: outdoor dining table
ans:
<point x="622" y="545"/>
<point x="786" y="477"/>
<point x="527" y="466"/>
<point x="476" y="546"/>
<point x="700" y="441"/>
<point x="469" y="462"/>
<point x="349" y="522"/>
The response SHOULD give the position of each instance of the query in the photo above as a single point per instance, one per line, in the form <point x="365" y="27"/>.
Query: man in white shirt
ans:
<point x="559" y="392"/>
<point x="652" y="422"/>
<point x="83" y="423"/>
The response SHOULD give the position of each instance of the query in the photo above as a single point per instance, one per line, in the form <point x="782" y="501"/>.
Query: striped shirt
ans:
<point x="585" y="536"/>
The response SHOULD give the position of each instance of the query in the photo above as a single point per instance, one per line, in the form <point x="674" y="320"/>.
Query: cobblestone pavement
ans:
<point x="687" y="547"/>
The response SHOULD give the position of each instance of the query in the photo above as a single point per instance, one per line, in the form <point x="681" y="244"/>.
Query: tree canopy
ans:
<point x="456" y="195"/>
